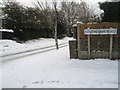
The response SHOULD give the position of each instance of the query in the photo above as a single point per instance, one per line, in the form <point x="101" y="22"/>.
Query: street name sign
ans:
<point x="110" y="31"/>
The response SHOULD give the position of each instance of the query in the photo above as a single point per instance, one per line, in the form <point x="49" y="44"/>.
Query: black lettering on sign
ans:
<point x="100" y="31"/>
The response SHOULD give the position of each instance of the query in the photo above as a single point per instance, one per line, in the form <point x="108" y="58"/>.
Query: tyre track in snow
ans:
<point x="18" y="55"/>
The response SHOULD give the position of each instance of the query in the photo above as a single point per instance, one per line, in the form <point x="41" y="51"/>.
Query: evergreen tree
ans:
<point x="111" y="11"/>
<point x="27" y="23"/>
<point x="14" y="16"/>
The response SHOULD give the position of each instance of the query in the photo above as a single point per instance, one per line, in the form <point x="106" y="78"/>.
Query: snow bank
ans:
<point x="6" y="30"/>
<point x="10" y="47"/>
<point x="0" y="75"/>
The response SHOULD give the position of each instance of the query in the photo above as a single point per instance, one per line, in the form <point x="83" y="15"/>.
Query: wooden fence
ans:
<point x="98" y="46"/>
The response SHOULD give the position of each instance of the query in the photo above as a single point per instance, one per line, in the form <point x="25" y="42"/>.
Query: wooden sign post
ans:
<point x="89" y="47"/>
<point x="78" y="38"/>
<point x="111" y="45"/>
<point x="110" y="31"/>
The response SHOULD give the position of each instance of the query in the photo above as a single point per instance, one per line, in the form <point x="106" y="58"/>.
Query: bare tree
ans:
<point x="50" y="13"/>
<point x="84" y="12"/>
<point x="77" y="12"/>
<point x="69" y="11"/>
<point x="55" y="23"/>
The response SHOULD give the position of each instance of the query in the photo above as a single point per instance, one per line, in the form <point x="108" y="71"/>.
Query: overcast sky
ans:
<point x="28" y="2"/>
<point x="61" y="0"/>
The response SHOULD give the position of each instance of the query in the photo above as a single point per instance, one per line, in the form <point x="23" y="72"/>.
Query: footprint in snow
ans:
<point x="25" y="86"/>
<point x="35" y="82"/>
<point x="53" y="81"/>
<point x="6" y="46"/>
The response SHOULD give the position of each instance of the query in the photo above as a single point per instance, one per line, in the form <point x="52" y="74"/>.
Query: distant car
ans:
<point x="6" y="34"/>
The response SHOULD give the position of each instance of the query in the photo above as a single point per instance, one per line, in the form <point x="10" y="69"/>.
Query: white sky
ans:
<point x="92" y="3"/>
<point x="29" y="2"/>
<point x="61" y="0"/>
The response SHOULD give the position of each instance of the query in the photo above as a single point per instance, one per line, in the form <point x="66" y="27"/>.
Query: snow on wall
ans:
<point x="6" y="30"/>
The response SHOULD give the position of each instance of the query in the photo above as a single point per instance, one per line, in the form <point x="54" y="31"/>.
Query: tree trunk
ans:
<point x="56" y="17"/>
<point x="56" y="41"/>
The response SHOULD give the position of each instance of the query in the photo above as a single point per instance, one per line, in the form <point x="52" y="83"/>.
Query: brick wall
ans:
<point x="73" y="49"/>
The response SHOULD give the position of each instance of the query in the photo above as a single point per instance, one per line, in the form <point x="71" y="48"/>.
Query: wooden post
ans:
<point x="78" y="39"/>
<point x="88" y="46"/>
<point x="111" y="45"/>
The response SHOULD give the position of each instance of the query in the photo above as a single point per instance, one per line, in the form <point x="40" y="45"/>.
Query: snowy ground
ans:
<point x="54" y="69"/>
<point x="10" y="47"/>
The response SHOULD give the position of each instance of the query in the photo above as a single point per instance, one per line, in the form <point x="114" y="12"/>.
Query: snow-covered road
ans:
<point x="31" y="52"/>
<point x="54" y="69"/>
<point x="9" y="47"/>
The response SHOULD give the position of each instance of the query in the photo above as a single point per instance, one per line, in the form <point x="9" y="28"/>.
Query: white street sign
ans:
<point x="100" y="31"/>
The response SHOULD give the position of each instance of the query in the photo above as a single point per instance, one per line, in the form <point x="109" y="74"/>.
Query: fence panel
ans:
<point x="99" y="44"/>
